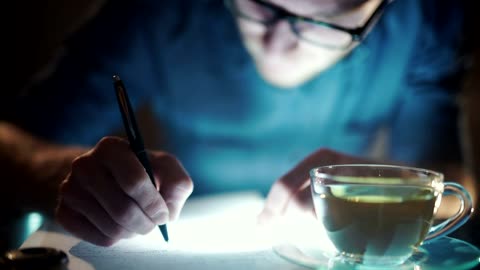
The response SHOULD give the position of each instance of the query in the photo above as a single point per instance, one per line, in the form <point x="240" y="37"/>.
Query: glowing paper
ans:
<point x="215" y="232"/>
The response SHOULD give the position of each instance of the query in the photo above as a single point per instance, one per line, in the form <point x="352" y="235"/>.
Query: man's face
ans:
<point x="283" y="58"/>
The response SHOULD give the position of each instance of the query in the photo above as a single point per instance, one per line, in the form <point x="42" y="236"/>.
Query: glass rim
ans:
<point x="427" y="173"/>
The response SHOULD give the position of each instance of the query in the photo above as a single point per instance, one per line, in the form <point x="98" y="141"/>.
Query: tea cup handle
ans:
<point x="457" y="220"/>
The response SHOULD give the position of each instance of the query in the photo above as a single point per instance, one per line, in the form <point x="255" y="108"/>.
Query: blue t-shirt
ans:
<point x="230" y="128"/>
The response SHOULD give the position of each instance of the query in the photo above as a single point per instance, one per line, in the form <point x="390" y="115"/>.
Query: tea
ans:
<point x="375" y="220"/>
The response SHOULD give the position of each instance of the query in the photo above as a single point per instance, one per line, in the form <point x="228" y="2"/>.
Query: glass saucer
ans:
<point x="443" y="253"/>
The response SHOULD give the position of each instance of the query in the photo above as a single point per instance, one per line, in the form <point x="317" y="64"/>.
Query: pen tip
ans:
<point x="116" y="78"/>
<point x="164" y="231"/>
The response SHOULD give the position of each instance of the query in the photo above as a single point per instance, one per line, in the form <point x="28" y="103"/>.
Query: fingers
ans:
<point x="130" y="175"/>
<point x="174" y="182"/>
<point x="301" y="203"/>
<point x="98" y="182"/>
<point x="109" y="189"/>
<point x="75" y="197"/>
<point x="284" y="195"/>
<point x="283" y="191"/>
<point x="292" y="190"/>
<point x="81" y="227"/>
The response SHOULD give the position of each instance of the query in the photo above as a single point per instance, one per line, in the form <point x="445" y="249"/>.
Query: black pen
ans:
<point x="133" y="134"/>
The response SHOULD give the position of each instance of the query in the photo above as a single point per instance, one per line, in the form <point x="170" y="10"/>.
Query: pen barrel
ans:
<point x="133" y="134"/>
<point x="143" y="158"/>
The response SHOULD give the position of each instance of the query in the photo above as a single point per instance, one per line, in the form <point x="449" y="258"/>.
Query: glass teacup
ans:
<point x="381" y="214"/>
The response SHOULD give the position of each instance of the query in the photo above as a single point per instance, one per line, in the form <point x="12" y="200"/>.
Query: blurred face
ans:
<point x="288" y="53"/>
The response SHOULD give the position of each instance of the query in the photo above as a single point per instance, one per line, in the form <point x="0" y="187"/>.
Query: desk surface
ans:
<point x="147" y="252"/>
<point x="222" y="237"/>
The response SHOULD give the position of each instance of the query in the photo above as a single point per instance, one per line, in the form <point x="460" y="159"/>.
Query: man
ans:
<point x="243" y="102"/>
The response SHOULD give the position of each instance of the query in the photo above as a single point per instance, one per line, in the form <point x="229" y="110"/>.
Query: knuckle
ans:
<point x="109" y="143"/>
<point x="80" y="163"/>
<point x="168" y="157"/>
<point x="169" y="160"/>
<point x="323" y="151"/>
<point x="186" y="184"/>
<point x="65" y="188"/>
<point x="326" y="152"/>
<point x="285" y="184"/>
<point x="134" y="186"/>
<point x="152" y="205"/>
<point x="124" y="213"/>
<point x="282" y="182"/>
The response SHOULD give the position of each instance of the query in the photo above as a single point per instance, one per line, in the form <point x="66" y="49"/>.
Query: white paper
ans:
<point x="217" y="232"/>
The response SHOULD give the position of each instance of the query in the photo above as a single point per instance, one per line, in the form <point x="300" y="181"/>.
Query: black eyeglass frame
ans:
<point x="357" y="34"/>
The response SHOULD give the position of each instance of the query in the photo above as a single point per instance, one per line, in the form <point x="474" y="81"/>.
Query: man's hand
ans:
<point x="108" y="196"/>
<point x="291" y="193"/>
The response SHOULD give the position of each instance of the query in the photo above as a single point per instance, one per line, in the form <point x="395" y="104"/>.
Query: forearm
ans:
<point x="31" y="170"/>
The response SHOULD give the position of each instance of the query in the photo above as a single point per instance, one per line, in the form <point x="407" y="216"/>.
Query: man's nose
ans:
<point x="279" y="38"/>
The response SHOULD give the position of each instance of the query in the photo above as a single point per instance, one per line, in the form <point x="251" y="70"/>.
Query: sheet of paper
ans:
<point x="216" y="232"/>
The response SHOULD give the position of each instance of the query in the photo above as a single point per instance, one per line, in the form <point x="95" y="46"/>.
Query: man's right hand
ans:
<point x="108" y="196"/>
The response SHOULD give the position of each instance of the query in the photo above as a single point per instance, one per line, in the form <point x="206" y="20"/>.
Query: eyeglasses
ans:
<point x="320" y="33"/>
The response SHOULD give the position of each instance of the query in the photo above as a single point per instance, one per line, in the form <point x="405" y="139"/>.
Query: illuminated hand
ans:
<point x="291" y="193"/>
<point x="108" y="196"/>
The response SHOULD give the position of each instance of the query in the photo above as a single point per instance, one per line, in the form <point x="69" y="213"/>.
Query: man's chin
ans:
<point x="284" y="78"/>
<point x="283" y="82"/>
